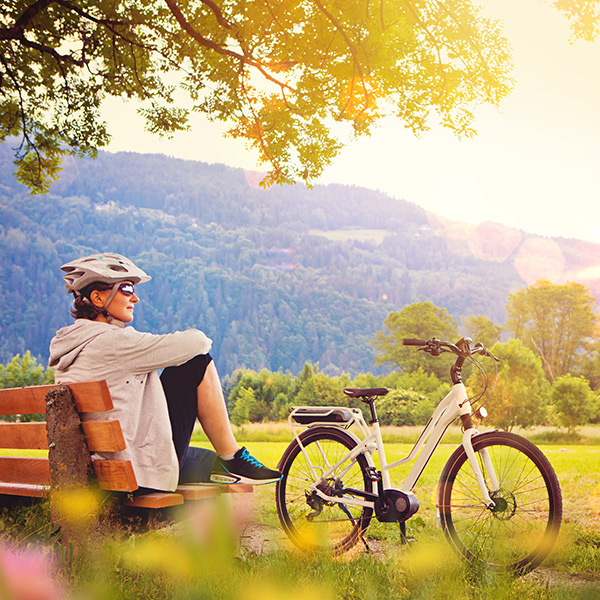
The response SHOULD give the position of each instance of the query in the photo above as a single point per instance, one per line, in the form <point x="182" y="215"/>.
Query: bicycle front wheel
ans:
<point x="311" y="522"/>
<point x="520" y="530"/>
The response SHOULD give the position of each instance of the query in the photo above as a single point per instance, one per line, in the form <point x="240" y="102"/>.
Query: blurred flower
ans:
<point x="27" y="575"/>
<point x="77" y="506"/>
<point x="275" y="590"/>
<point x="158" y="554"/>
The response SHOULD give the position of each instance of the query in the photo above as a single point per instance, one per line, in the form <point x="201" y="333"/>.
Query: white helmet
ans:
<point x="104" y="268"/>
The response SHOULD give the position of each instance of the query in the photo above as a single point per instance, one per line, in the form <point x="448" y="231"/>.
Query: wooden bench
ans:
<point x="32" y="477"/>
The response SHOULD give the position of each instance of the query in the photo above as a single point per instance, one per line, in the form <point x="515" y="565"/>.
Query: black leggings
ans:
<point x="180" y="385"/>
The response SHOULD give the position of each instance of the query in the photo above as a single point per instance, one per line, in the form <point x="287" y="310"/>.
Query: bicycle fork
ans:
<point x="467" y="443"/>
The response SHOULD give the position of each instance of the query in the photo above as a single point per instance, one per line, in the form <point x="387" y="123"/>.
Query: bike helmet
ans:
<point x="103" y="268"/>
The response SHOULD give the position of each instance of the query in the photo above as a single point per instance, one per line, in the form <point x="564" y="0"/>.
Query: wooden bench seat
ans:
<point x="31" y="476"/>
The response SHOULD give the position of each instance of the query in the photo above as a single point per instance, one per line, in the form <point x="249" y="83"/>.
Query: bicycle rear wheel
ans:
<point x="520" y="530"/>
<point x="311" y="522"/>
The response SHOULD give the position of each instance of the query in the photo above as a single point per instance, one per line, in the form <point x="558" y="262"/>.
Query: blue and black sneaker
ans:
<point x="243" y="468"/>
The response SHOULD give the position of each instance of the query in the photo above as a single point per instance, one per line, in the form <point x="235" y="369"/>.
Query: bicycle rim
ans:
<point x="311" y="523"/>
<point x="517" y="534"/>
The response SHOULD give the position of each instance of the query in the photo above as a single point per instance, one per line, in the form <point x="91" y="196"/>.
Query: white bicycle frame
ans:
<point x="453" y="406"/>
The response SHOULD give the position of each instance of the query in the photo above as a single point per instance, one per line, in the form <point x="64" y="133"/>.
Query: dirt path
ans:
<point x="555" y="578"/>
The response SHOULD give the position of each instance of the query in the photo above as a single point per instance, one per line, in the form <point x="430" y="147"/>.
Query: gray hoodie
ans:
<point x="128" y="359"/>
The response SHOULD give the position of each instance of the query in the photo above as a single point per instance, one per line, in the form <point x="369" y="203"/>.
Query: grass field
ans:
<point x="577" y="468"/>
<point x="180" y="564"/>
<point x="280" y="432"/>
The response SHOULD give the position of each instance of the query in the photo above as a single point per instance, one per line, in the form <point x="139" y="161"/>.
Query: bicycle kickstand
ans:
<point x="364" y="541"/>
<point x="362" y="534"/>
<point x="405" y="539"/>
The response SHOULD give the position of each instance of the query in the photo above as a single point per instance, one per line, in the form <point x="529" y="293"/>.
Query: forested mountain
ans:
<point x="277" y="277"/>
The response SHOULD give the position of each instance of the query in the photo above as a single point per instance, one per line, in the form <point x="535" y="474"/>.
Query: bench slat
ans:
<point x="32" y="471"/>
<point x="89" y="396"/>
<point x="156" y="500"/>
<point x="23" y="435"/>
<point x="33" y="491"/>
<point x="102" y="436"/>
<point x="115" y="475"/>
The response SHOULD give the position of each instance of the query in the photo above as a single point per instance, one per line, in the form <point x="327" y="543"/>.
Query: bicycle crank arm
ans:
<point x="366" y="495"/>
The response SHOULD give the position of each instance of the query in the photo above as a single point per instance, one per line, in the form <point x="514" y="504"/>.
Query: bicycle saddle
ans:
<point x="366" y="393"/>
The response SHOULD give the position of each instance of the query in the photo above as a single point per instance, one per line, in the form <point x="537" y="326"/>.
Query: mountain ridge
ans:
<point x="245" y="264"/>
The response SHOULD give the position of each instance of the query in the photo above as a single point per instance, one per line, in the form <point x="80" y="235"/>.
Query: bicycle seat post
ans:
<point x="371" y="404"/>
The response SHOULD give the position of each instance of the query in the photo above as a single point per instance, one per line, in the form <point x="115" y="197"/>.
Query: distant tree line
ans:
<point x="522" y="397"/>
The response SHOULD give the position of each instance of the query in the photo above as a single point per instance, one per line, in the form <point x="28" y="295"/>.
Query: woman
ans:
<point x="157" y="415"/>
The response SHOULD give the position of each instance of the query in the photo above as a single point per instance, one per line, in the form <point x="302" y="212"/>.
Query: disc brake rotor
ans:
<point x="505" y="504"/>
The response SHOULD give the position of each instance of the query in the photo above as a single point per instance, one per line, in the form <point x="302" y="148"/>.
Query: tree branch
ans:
<point x="51" y="51"/>
<point x="543" y="357"/>
<point x="203" y="41"/>
<point x="343" y="33"/>
<point x="218" y="14"/>
<point x="275" y="20"/>
<point x="16" y="30"/>
<point x="460" y="25"/>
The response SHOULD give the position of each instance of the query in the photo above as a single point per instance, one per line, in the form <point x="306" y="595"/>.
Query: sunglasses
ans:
<point x="125" y="288"/>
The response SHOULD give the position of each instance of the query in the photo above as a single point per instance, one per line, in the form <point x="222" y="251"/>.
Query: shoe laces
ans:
<point x="249" y="458"/>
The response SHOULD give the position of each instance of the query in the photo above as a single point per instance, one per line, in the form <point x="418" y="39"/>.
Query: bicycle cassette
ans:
<point x="395" y="506"/>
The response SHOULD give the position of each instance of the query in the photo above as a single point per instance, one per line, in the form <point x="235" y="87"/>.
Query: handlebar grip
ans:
<point x="414" y="342"/>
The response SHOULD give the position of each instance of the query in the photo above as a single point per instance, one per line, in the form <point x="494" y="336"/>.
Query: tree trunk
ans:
<point x="74" y="504"/>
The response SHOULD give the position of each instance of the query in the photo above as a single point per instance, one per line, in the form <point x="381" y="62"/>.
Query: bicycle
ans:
<point x="498" y="498"/>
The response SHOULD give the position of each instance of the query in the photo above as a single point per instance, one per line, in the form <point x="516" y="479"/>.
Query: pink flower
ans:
<point x="27" y="575"/>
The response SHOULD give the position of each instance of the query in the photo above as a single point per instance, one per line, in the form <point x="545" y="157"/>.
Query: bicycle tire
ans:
<point x="519" y="532"/>
<point x="310" y="523"/>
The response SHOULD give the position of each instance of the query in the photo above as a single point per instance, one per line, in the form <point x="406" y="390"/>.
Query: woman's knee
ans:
<point x="190" y="373"/>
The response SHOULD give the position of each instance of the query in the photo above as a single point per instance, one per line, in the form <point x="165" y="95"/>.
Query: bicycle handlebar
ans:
<point x="414" y="342"/>
<point x="464" y="347"/>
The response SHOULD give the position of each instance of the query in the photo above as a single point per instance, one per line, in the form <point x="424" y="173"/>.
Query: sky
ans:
<point x="532" y="166"/>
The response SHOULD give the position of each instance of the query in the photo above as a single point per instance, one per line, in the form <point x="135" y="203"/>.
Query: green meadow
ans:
<point x="199" y="557"/>
<point x="577" y="467"/>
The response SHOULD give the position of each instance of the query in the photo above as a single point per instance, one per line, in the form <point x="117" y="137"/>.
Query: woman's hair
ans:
<point x="83" y="308"/>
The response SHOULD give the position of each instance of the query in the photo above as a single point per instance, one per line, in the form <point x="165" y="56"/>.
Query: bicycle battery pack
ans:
<point x="314" y="415"/>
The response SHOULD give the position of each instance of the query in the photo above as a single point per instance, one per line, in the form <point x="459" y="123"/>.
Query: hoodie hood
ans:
<point x="69" y="341"/>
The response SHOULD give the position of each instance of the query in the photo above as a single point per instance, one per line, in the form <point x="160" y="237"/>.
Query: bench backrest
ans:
<point x="32" y="475"/>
